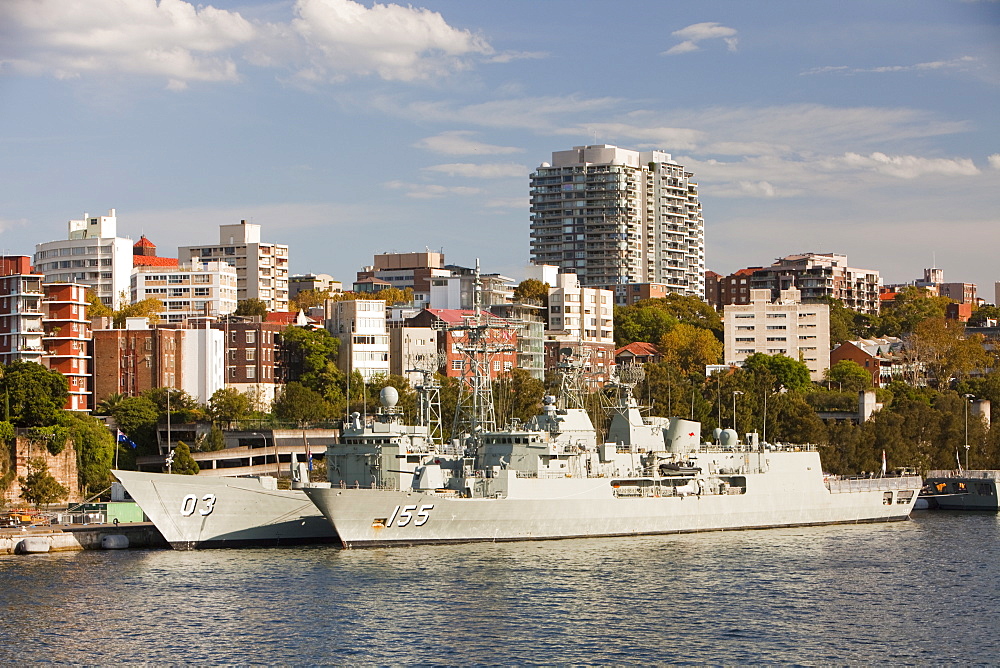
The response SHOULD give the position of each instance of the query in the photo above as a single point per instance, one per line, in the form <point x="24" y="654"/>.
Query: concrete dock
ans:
<point x="70" y="537"/>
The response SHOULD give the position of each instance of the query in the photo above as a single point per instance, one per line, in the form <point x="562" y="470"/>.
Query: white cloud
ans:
<point x="699" y="32"/>
<point x="430" y="191"/>
<point x="994" y="161"/>
<point x="488" y="171"/>
<point x="459" y="142"/>
<point x="71" y="38"/>
<point x="391" y="41"/>
<point x="909" y="166"/>
<point x="325" y="41"/>
<point x="541" y="114"/>
<point x="510" y="56"/>
<point x="963" y="63"/>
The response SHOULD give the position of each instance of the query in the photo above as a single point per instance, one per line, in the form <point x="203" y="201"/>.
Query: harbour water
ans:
<point x="917" y="592"/>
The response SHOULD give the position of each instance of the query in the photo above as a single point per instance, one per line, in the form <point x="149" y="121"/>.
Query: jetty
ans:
<point x="75" y="537"/>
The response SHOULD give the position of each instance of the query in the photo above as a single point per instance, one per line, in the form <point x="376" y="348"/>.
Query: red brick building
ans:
<point x="67" y="340"/>
<point x="882" y="358"/>
<point x="451" y="340"/>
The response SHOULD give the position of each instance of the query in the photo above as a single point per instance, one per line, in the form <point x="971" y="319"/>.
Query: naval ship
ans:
<point x="196" y="512"/>
<point x="552" y="479"/>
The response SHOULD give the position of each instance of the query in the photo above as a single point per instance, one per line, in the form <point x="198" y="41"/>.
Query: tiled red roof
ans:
<point x="640" y="349"/>
<point x="888" y="296"/>
<point x="143" y="242"/>
<point x="153" y="261"/>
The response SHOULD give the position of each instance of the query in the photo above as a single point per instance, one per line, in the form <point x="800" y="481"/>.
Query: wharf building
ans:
<point x="45" y="323"/>
<point x="93" y="255"/>
<point x="784" y="326"/>
<point x="615" y="216"/>
<point x="261" y="267"/>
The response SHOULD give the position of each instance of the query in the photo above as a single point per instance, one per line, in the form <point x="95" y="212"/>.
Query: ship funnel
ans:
<point x="683" y="435"/>
<point x="388" y="397"/>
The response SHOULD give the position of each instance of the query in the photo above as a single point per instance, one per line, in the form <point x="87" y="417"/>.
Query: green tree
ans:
<point x="215" y="440"/>
<point x="532" y="290"/>
<point x="911" y="306"/>
<point x="251" y="307"/>
<point x="107" y="405"/>
<point x="32" y="395"/>
<point x="7" y="473"/>
<point x="97" y="308"/>
<point x="787" y="373"/>
<point x="95" y="450"/>
<point x="314" y="361"/>
<point x="847" y="324"/>
<point x="690" y="348"/>
<point x="984" y="313"/>
<point x="39" y="486"/>
<point x="137" y="417"/>
<point x="183" y="407"/>
<point x="306" y="299"/>
<point x="941" y="346"/>
<point x="184" y="463"/>
<point x="638" y="323"/>
<point x="229" y="405"/>
<point x="849" y="376"/>
<point x="298" y="403"/>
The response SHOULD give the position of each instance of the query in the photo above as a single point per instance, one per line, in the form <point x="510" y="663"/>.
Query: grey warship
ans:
<point x="552" y="479"/>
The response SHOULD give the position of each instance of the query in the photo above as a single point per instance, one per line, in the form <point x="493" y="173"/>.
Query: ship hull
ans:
<point x="960" y="492"/>
<point x="539" y="509"/>
<point x="194" y="512"/>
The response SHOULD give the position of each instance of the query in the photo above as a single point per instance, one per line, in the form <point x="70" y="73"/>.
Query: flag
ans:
<point x="309" y="455"/>
<point x="883" y="463"/>
<point x="122" y="438"/>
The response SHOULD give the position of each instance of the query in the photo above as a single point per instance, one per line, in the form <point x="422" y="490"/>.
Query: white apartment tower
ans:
<point x="615" y="216"/>
<point x="188" y="291"/>
<point x="785" y="326"/>
<point x="364" y="339"/>
<point x="261" y="267"/>
<point x="93" y="255"/>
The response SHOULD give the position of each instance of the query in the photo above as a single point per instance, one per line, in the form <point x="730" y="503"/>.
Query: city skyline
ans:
<point x="348" y="129"/>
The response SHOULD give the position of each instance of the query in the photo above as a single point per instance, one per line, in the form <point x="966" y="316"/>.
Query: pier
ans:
<point x="75" y="537"/>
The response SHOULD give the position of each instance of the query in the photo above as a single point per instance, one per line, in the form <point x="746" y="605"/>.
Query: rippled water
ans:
<point x="917" y="592"/>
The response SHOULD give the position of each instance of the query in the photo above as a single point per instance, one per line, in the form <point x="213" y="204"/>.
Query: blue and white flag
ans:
<point x="122" y="438"/>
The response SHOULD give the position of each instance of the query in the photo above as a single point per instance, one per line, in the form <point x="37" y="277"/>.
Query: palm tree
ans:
<point x="109" y="404"/>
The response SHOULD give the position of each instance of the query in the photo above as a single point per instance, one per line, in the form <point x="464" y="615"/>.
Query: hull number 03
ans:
<point x="402" y="515"/>
<point x="190" y="504"/>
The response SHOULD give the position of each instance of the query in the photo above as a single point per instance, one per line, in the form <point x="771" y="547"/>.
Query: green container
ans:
<point x="123" y="511"/>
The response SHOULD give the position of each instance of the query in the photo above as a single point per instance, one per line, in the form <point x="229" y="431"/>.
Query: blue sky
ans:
<point x="869" y="128"/>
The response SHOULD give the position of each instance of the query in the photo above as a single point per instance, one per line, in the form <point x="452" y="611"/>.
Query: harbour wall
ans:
<point x="75" y="538"/>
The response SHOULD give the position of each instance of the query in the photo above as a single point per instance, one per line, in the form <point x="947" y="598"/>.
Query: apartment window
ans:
<point x="457" y="365"/>
<point x="251" y="354"/>
<point x="251" y="372"/>
<point x="251" y="336"/>
<point x="496" y="365"/>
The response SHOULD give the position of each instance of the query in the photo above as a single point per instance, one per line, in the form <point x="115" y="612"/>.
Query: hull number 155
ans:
<point x="403" y="514"/>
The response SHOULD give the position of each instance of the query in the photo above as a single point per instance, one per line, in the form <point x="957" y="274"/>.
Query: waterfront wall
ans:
<point x="62" y="467"/>
<point x="66" y="539"/>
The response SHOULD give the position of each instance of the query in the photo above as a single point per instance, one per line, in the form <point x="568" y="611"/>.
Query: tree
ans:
<point x="314" y="361"/>
<point x="107" y="405"/>
<point x="690" y="348"/>
<point x="183" y="407"/>
<point x="33" y="396"/>
<point x="97" y="308"/>
<point x="229" y="405"/>
<point x="847" y="324"/>
<point x="689" y="310"/>
<point x="911" y="306"/>
<point x="252" y="307"/>
<point x="95" y="449"/>
<point x="945" y="352"/>
<point x="149" y="308"/>
<point x="215" y="440"/>
<point x="636" y="323"/>
<point x="984" y="313"/>
<point x="184" y="463"/>
<point x="517" y="396"/>
<point x="306" y="299"/>
<point x="137" y="417"/>
<point x="532" y="290"/>
<point x="297" y="403"/>
<point x="786" y="372"/>
<point x="39" y="487"/>
<point x="849" y="376"/>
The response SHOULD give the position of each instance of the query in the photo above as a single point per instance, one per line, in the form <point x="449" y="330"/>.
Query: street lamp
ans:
<point x="968" y="399"/>
<point x="735" y="392"/>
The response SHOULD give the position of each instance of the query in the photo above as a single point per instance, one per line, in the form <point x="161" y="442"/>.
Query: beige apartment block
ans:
<point x="785" y="326"/>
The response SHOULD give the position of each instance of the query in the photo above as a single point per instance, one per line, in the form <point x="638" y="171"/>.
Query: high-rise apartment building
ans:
<point x="261" y="267"/>
<point x="816" y="276"/>
<point x="93" y="255"/>
<point x="614" y="216"/>
<point x="364" y="338"/>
